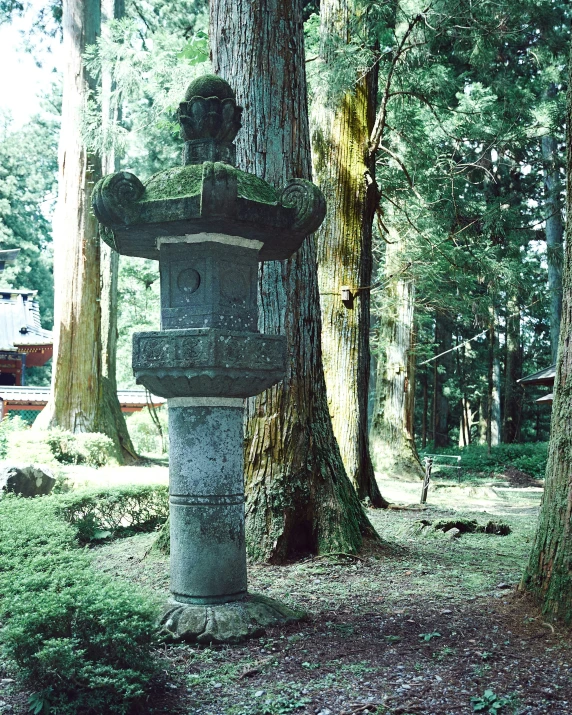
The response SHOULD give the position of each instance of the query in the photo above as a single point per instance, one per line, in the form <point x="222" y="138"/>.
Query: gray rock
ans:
<point x="453" y="533"/>
<point x="27" y="480"/>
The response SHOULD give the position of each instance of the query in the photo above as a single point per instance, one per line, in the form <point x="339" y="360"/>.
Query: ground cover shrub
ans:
<point x="530" y="458"/>
<point x="78" y="638"/>
<point x="114" y="511"/>
<point x="59" y="446"/>
<point x="8" y="425"/>
<point x="143" y="430"/>
<point x="469" y="526"/>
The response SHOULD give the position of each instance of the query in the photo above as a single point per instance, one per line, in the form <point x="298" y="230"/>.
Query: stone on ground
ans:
<point x="27" y="480"/>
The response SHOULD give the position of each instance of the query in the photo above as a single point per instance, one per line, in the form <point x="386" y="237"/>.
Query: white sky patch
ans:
<point x="22" y="81"/>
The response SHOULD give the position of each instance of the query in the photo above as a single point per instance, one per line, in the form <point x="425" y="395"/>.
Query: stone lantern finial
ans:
<point x="209" y="119"/>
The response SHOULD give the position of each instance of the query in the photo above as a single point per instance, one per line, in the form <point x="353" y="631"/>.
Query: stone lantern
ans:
<point x="208" y="224"/>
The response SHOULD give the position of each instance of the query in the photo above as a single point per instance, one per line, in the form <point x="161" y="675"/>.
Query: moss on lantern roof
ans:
<point x="209" y="85"/>
<point x="184" y="181"/>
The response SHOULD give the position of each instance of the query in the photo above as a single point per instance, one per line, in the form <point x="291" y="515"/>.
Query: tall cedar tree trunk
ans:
<point x="75" y="399"/>
<point x="512" y="413"/>
<point x="548" y="575"/>
<point x="109" y="264"/>
<point x="391" y="436"/>
<point x="345" y="173"/>
<point x="78" y="401"/>
<point x="494" y="392"/>
<point x="298" y="496"/>
<point x="443" y="370"/>
<point x="554" y="233"/>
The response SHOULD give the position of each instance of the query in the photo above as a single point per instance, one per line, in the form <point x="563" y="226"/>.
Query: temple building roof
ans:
<point x="542" y="377"/>
<point x="20" y="326"/>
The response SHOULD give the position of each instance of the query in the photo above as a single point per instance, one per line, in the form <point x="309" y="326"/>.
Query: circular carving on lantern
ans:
<point x="188" y="281"/>
<point x="234" y="286"/>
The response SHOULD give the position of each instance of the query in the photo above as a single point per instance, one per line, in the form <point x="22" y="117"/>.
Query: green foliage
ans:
<point x="426" y="637"/>
<point x="530" y="458"/>
<point x="91" y="448"/>
<point x="27" y="446"/>
<point x="60" y="617"/>
<point x="144" y="433"/>
<point x="28" y="166"/>
<point x="59" y="446"/>
<point x="274" y="704"/>
<point x="488" y="703"/>
<point x="100" y="513"/>
<point x="138" y="300"/>
<point x="9" y="425"/>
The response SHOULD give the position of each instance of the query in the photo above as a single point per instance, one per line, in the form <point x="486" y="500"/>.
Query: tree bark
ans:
<point x="392" y="439"/>
<point x="548" y="576"/>
<point x="512" y="412"/>
<point x="444" y="342"/>
<point x="109" y="266"/>
<point x="345" y="172"/>
<point x="554" y="234"/>
<point x="424" y="381"/>
<point x="75" y="399"/>
<point x="82" y="398"/>
<point x="299" y="499"/>
<point x="494" y="381"/>
<point x="482" y="428"/>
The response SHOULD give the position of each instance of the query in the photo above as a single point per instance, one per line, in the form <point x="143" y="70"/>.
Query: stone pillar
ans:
<point x="209" y="225"/>
<point x="206" y="494"/>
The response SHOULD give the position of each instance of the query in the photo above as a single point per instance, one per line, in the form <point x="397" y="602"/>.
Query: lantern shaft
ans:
<point x="206" y="494"/>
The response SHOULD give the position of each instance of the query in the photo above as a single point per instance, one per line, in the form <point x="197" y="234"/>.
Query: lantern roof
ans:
<point x="207" y="194"/>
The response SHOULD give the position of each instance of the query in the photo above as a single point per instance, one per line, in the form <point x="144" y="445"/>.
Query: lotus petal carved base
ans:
<point x="225" y="622"/>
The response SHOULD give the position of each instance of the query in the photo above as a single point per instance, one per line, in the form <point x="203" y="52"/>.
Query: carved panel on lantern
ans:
<point x="208" y="285"/>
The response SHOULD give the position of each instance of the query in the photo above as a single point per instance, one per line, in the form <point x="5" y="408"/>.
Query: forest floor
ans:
<point x="422" y="624"/>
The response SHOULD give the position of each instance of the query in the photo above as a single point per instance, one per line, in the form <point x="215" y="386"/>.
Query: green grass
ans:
<point x="475" y="459"/>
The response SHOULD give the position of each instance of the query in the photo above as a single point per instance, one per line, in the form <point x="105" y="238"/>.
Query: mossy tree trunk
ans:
<point x="554" y="229"/>
<point x="345" y="172"/>
<point x="78" y="400"/>
<point x="298" y="496"/>
<point x="548" y="576"/>
<point x="392" y="437"/>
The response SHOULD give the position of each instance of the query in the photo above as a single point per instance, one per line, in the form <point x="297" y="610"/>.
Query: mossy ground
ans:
<point x="419" y="626"/>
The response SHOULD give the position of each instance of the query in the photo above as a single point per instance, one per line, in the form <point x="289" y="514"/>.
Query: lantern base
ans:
<point x="226" y="622"/>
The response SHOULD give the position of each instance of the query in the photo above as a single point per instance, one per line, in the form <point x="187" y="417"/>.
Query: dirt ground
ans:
<point x="422" y="624"/>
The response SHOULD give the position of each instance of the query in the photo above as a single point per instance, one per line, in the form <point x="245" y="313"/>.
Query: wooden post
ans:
<point x="425" y="488"/>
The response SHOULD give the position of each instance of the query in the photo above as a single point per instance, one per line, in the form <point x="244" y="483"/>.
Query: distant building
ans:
<point x="542" y="377"/>
<point x="26" y="402"/>
<point x="23" y="341"/>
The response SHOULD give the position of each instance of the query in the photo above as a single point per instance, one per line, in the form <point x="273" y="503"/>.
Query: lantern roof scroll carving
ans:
<point x="207" y="194"/>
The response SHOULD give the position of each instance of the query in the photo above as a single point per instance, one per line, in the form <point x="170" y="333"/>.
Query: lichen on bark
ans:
<point x="345" y="171"/>
<point x="299" y="498"/>
<point x="548" y="576"/>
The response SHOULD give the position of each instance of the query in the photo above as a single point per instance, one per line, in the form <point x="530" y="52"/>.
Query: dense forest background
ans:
<point x="468" y="216"/>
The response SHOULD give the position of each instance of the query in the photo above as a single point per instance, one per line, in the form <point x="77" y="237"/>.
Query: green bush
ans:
<point x="9" y="425"/>
<point x="28" y="446"/>
<point x="100" y="513"/>
<point x="91" y="448"/>
<point x="530" y="458"/>
<point x="144" y="433"/>
<point x="59" y="446"/>
<point x="79" y="639"/>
